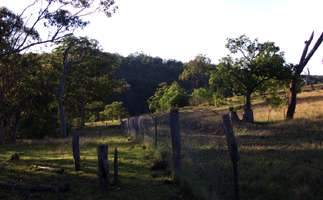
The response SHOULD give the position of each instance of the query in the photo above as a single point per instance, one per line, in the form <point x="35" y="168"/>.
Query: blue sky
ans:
<point x="181" y="29"/>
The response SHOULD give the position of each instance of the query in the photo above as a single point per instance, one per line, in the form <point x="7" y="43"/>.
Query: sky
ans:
<point x="182" y="29"/>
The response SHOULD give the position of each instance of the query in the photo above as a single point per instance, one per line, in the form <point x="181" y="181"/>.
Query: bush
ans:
<point x="201" y="96"/>
<point x="219" y="100"/>
<point x="167" y="96"/>
<point x="113" y="111"/>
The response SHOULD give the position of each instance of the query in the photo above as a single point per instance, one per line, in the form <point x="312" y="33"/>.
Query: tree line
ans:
<point x="47" y="93"/>
<point x="251" y="67"/>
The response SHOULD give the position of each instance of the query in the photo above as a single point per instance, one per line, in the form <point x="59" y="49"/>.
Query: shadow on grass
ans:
<point x="268" y="174"/>
<point x="135" y="178"/>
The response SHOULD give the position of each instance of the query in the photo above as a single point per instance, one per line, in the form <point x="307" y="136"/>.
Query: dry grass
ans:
<point x="279" y="159"/>
<point x="309" y="106"/>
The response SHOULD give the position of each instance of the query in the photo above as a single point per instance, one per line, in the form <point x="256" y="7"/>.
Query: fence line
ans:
<point x="198" y="154"/>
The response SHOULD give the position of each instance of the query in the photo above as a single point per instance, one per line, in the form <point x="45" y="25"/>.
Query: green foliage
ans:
<point x="115" y="110"/>
<point x="276" y="93"/>
<point x="143" y="75"/>
<point x="54" y="19"/>
<point x="254" y="64"/>
<point x="218" y="100"/>
<point x="218" y="84"/>
<point x="197" y="72"/>
<point x="91" y="75"/>
<point x="249" y="67"/>
<point x="200" y="96"/>
<point x="167" y="96"/>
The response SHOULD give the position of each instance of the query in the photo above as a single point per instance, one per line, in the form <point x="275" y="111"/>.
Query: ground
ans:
<point x="278" y="159"/>
<point x="136" y="179"/>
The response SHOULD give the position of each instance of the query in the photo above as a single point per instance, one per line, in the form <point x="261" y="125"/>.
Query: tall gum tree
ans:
<point x="39" y="23"/>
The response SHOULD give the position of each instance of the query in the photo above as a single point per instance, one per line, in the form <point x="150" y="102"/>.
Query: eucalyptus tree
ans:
<point x="249" y="66"/>
<point x="40" y="22"/>
<point x="46" y="21"/>
<point x="86" y="74"/>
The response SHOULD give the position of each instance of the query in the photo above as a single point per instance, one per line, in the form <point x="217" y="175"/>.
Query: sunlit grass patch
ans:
<point x="135" y="175"/>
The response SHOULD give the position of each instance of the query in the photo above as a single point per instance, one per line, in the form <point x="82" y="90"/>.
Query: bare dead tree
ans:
<point x="297" y="70"/>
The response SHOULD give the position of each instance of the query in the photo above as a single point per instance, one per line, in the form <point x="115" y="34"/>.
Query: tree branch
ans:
<point x="307" y="44"/>
<point x="316" y="46"/>
<point x="40" y="16"/>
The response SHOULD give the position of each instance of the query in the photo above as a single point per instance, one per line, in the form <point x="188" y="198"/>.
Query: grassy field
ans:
<point x="278" y="159"/>
<point x="137" y="181"/>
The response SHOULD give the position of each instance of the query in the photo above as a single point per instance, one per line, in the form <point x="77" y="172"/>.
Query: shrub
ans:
<point x="167" y="96"/>
<point x="201" y="96"/>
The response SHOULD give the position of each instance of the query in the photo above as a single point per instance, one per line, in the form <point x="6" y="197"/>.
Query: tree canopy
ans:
<point x="249" y="66"/>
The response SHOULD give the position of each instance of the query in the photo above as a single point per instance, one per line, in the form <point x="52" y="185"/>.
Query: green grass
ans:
<point x="278" y="159"/>
<point x="103" y="123"/>
<point x="137" y="181"/>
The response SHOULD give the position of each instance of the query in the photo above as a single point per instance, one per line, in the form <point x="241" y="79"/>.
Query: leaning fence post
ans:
<point x="103" y="167"/>
<point x="234" y="153"/>
<point x="176" y="141"/>
<point x="116" y="167"/>
<point x="76" y="151"/>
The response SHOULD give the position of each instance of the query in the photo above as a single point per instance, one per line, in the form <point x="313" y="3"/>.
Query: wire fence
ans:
<point x="206" y="166"/>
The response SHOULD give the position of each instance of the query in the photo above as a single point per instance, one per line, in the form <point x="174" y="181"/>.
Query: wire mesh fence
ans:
<point x="206" y="168"/>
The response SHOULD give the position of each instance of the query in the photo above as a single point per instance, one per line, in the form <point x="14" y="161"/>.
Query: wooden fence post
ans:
<point x="116" y="167"/>
<point x="234" y="153"/>
<point x="76" y="150"/>
<point x="103" y="167"/>
<point x="176" y="141"/>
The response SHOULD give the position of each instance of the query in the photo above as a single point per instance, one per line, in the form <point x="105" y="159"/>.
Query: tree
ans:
<point x="19" y="32"/>
<point x="143" y="74"/>
<point x="197" y="71"/>
<point x="201" y="95"/>
<point x="94" y="108"/>
<point x="275" y="95"/>
<point x="56" y="19"/>
<point x="115" y="110"/>
<point x="254" y="64"/>
<point x="297" y="70"/>
<point x="167" y="96"/>
<point x="88" y="75"/>
<point x="18" y="87"/>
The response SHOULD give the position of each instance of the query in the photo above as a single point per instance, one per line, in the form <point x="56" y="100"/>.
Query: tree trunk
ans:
<point x="248" y="113"/>
<point x="292" y="99"/>
<point x="2" y="132"/>
<point x="61" y="91"/>
<point x="298" y="70"/>
<point x="63" y="125"/>
<point x="13" y="128"/>
<point x="82" y="115"/>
